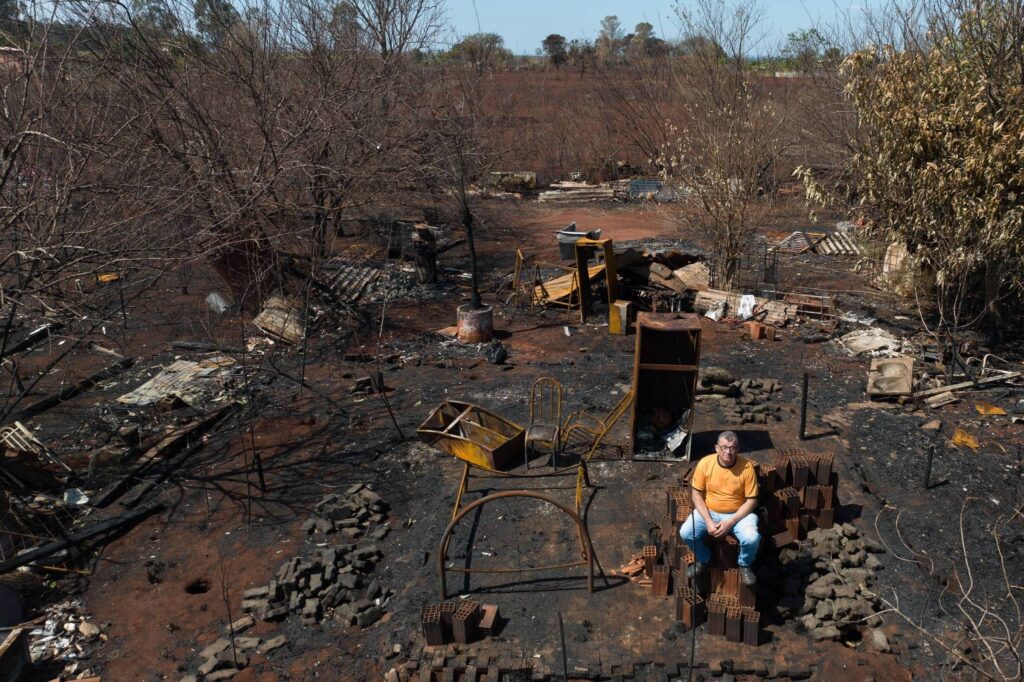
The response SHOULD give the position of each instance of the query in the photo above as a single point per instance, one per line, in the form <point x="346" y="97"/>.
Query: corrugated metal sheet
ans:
<point x="348" y="279"/>
<point x="838" y="244"/>
<point x="800" y="242"/>
<point x="644" y="189"/>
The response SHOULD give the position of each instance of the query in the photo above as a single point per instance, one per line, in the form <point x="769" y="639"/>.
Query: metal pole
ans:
<point x="565" y="657"/>
<point x="928" y="467"/>
<point x="803" y="408"/>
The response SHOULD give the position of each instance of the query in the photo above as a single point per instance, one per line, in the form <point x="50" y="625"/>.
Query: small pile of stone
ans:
<point x="331" y="581"/>
<point x="326" y="583"/>
<point x="351" y="514"/>
<point x="222" y="661"/>
<point x="745" y="401"/>
<point x="827" y="583"/>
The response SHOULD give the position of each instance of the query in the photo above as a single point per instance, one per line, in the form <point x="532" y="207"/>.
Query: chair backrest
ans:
<point x="546" y="402"/>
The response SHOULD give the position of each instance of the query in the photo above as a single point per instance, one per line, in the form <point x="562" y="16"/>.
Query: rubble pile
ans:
<point x="827" y="583"/>
<point x="225" y="657"/>
<point x="330" y="582"/>
<point x="744" y="401"/>
<point x="66" y="635"/>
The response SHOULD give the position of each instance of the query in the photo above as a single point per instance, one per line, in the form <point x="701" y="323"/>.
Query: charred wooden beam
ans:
<point x="80" y="536"/>
<point x="79" y="386"/>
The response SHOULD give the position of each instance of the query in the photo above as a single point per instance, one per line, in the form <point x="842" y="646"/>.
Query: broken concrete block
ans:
<point x="316" y="583"/>
<point x="246" y="643"/>
<point x="215" y="648"/>
<point x="234" y="657"/>
<point x="824" y="633"/>
<point x="255" y="593"/>
<point x="369" y="617"/>
<point x="275" y="613"/>
<point x="211" y="664"/>
<point x="254" y="605"/>
<point x="224" y="674"/>
<point x="380" y="533"/>
<point x="272" y="644"/>
<point x="878" y="640"/>
<point x="242" y="624"/>
<point x="311" y="609"/>
<point x="344" y="615"/>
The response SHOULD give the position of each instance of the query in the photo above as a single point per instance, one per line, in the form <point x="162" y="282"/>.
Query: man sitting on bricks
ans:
<point x="724" y="496"/>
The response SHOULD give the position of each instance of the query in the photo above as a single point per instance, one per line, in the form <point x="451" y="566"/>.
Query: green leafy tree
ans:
<point x="554" y="48"/>
<point x="643" y="44"/>
<point x="700" y="45"/>
<point x="482" y="50"/>
<point x="214" y="19"/>
<point x="938" y="163"/>
<point x="580" y="54"/>
<point x="803" y="50"/>
<point x="609" y="40"/>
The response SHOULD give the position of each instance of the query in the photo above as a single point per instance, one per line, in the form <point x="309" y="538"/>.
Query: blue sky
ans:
<point x="524" y="23"/>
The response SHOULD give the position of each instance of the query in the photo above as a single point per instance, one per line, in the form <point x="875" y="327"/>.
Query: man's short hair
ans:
<point x="728" y="437"/>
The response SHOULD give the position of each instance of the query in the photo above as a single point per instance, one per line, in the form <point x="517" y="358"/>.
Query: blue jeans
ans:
<point x="694" y="532"/>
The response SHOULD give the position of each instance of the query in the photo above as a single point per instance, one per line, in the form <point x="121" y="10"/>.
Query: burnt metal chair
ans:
<point x="591" y="432"/>
<point x="545" y="417"/>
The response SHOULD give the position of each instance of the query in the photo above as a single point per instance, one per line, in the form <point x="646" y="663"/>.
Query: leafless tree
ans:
<point x="465" y="140"/>
<point x="733" y="134"/>
<point x="396" y="27"/>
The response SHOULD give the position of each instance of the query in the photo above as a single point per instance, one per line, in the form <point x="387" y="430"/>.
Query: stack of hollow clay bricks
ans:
<point x="798" y="491"/>
<point x="722" y="582"/>
<point x="462" y="622"/>
<point x="797" y="494"/>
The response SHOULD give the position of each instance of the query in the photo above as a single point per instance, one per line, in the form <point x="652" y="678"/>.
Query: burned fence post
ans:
<point x="928" y="467"/>
<point x="803" y="407"/>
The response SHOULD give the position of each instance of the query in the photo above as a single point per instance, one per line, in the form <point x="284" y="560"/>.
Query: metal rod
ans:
<point x="803" y="408"/>
<point x="442" y="551"/>
<point x="928" y="468"/>
<point x="548" y="567"/>
<point x="565" y="657"/>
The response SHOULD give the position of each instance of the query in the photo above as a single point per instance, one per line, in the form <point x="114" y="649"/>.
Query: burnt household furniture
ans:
<point x="545" y="417"/>
<point x="665" y="366"/>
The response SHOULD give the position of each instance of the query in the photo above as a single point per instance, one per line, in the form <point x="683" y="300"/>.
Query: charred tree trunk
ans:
<point x="467" y="222"/>
<point x="993" y="320"/>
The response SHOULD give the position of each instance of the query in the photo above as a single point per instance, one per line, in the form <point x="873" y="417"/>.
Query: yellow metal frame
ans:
<point x="596" y="430"/>
<point x="548" y="392"/>
<point x="535" y="291"/>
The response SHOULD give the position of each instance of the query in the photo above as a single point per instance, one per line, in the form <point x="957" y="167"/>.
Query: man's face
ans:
<point x="727" y="453"/>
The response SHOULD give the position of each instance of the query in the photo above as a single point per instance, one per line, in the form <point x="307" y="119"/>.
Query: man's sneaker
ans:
<point x="747" y="576"/>
<point x="696" y="570"/>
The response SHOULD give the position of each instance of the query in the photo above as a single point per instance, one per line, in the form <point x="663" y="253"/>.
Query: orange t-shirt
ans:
<point x="725" y="490"/>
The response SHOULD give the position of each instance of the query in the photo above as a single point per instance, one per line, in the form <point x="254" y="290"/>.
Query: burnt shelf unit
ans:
<point x="665" y="367"/>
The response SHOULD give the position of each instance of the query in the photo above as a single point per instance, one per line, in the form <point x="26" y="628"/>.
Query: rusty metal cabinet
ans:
<point x="665" y="367"/>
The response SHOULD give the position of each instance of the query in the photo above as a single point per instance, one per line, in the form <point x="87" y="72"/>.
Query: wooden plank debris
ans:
<point x="775" y="313"/>
<point x="282" y="318"/>
<point x="563" y="286"/>
<point x="967" y="384"/>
